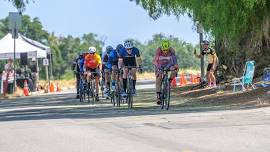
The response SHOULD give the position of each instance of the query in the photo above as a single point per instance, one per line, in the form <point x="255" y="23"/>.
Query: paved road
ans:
<point x="57" y="123"/>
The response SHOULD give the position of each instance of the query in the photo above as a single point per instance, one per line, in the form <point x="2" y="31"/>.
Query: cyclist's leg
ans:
<point x="134" y="78"/>
<point x="107" y="78"/>
<point x="78" y="84"/>
<point x="114" y="70"/>
<point x="97" y="77"/>
<point x="158" y="84"/>
<point x="125" y="72"/>
<point x="107" y="82"/>
<point x="88" y="75"/>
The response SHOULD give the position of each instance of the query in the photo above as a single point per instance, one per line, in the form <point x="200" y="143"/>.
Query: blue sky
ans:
<point x="112" y="20"/>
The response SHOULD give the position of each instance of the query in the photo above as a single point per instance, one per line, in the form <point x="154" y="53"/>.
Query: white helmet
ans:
<point x="92" y="49"/>
<point x="128" y="44"/>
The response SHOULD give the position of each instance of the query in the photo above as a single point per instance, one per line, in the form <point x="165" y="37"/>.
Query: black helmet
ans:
<point x="205" y="42"/>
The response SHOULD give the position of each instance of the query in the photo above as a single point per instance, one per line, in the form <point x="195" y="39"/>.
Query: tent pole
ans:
<point x="37" y="76"/>
<point x="14" y="56"/>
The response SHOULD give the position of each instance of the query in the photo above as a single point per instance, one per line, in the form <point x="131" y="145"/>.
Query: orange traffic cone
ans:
<point x="173" y="83"/>
<point x="58" y="89"/>
<point x="51" y="87"/>
<point x="25" y="88"/>
<point x="182" y="79"/>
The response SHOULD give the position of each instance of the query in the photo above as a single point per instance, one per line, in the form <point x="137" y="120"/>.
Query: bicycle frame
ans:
<point x="165" y="90"/>
<point x="129" y="87"/>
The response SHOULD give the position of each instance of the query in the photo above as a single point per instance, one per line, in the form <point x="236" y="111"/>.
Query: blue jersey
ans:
<point x="113" y="57"/>
<point x="80" y="64"/>
<point x="134" y="53"/>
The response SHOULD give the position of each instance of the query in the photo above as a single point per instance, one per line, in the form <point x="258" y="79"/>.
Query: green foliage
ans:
<point x="241" y="28"/>
<point x="183" y="50"/>
<point x="64" y="49"/>
<point x="223" y="18"/>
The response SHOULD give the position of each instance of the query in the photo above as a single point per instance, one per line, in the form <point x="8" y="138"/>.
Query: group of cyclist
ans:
<point x="122" y="59"/>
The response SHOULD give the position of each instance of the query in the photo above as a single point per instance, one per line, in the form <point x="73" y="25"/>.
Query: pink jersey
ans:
<point x="165" y="60"/>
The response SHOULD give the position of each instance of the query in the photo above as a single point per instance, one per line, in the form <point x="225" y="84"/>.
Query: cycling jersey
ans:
<point x="113" y="58"/>
<point x="81" y="64"/>
<point x="211" y="55"/>
<point x="134" y="53"/>
<point x="129" y="59"/>
<point x="105" y="60"/>
<point x="165" y="59"/>
<point x="92" y="61"/>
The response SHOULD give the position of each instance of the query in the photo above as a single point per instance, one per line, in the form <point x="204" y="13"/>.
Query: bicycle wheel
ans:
<point x="117" y="94"/>
<point x="112" y="94"/>
<point x="129" y="93"/>
<point x="168" y="97"/>
<point x="164" y="92"/>
<point x="102" y="88"/>
<point x="88" y="90"/>
<point x="93" y="92"/>
<point x="81" y="91"/>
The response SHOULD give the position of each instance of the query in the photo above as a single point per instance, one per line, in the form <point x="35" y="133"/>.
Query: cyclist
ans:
<point x="77" y="67"/>
<point x="120" y="48"/>
<point x="113" y="63"/>
<point x="92" y="65"/>
<point x="164" y="58"/>
<point x="212" y="62"/>
<point x="106" y="67"/>
<point x="129" y="56"/>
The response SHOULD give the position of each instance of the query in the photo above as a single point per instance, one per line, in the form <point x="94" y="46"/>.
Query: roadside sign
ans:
<point x="14" y="23"/>
<point x="45" y="62"/>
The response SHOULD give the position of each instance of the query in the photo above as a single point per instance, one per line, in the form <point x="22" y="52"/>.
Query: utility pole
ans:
<point x="200" y="31"/>
<point x="15" y="22"/>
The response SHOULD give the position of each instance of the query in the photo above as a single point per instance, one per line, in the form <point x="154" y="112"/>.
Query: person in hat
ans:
<point x="212" y="62"/>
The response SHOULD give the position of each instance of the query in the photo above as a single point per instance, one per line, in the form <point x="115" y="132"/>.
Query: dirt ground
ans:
<point x="224" y="97"/>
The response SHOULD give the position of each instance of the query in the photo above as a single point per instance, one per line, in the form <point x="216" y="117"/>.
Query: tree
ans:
<point x="240" y="28"/>
<point x="183" y="50"/>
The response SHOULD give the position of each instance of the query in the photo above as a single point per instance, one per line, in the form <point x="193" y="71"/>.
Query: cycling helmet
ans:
<point x="128" y="44"/>
<point x="92" y="49"/>
<point x="165" y="45"/>
<point x="119" y="47"/>
<point x="205" y="42"/>
<point x="80" y="54"/>
<point x="109" y="48"/>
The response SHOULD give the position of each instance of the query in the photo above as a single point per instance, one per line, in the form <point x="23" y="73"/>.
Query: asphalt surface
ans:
<point x="58" y="122"/>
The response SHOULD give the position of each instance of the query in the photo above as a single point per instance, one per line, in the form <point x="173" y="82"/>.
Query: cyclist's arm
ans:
<point x="155" y="59"/>
<point x="99" y="62"/>
<point x="120" y="59"/>
<point x="74" y="65"/>
<point x="138" y="57"/>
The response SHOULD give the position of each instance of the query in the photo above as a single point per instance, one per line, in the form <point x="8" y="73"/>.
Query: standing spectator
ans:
<point x="34" y="73"/>
<point x="9" y="66"/>
<point x="9" y="70"/>
<point x="212" y="62"/>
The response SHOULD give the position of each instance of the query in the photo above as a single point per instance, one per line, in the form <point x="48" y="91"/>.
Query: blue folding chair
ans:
<point x="247" y="77"/>
<point x="266" y="77"/>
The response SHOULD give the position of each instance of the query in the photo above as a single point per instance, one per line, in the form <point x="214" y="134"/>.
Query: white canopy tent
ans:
<point x="33" y="48"/>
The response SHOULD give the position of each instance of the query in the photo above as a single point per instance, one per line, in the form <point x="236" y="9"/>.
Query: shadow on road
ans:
<point x="66" y="107"/>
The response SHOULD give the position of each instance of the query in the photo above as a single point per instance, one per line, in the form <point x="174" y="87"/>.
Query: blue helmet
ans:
<point x="119" y="47"/>
<point x="109" y="48"/>
<point x="81" y="54"/>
